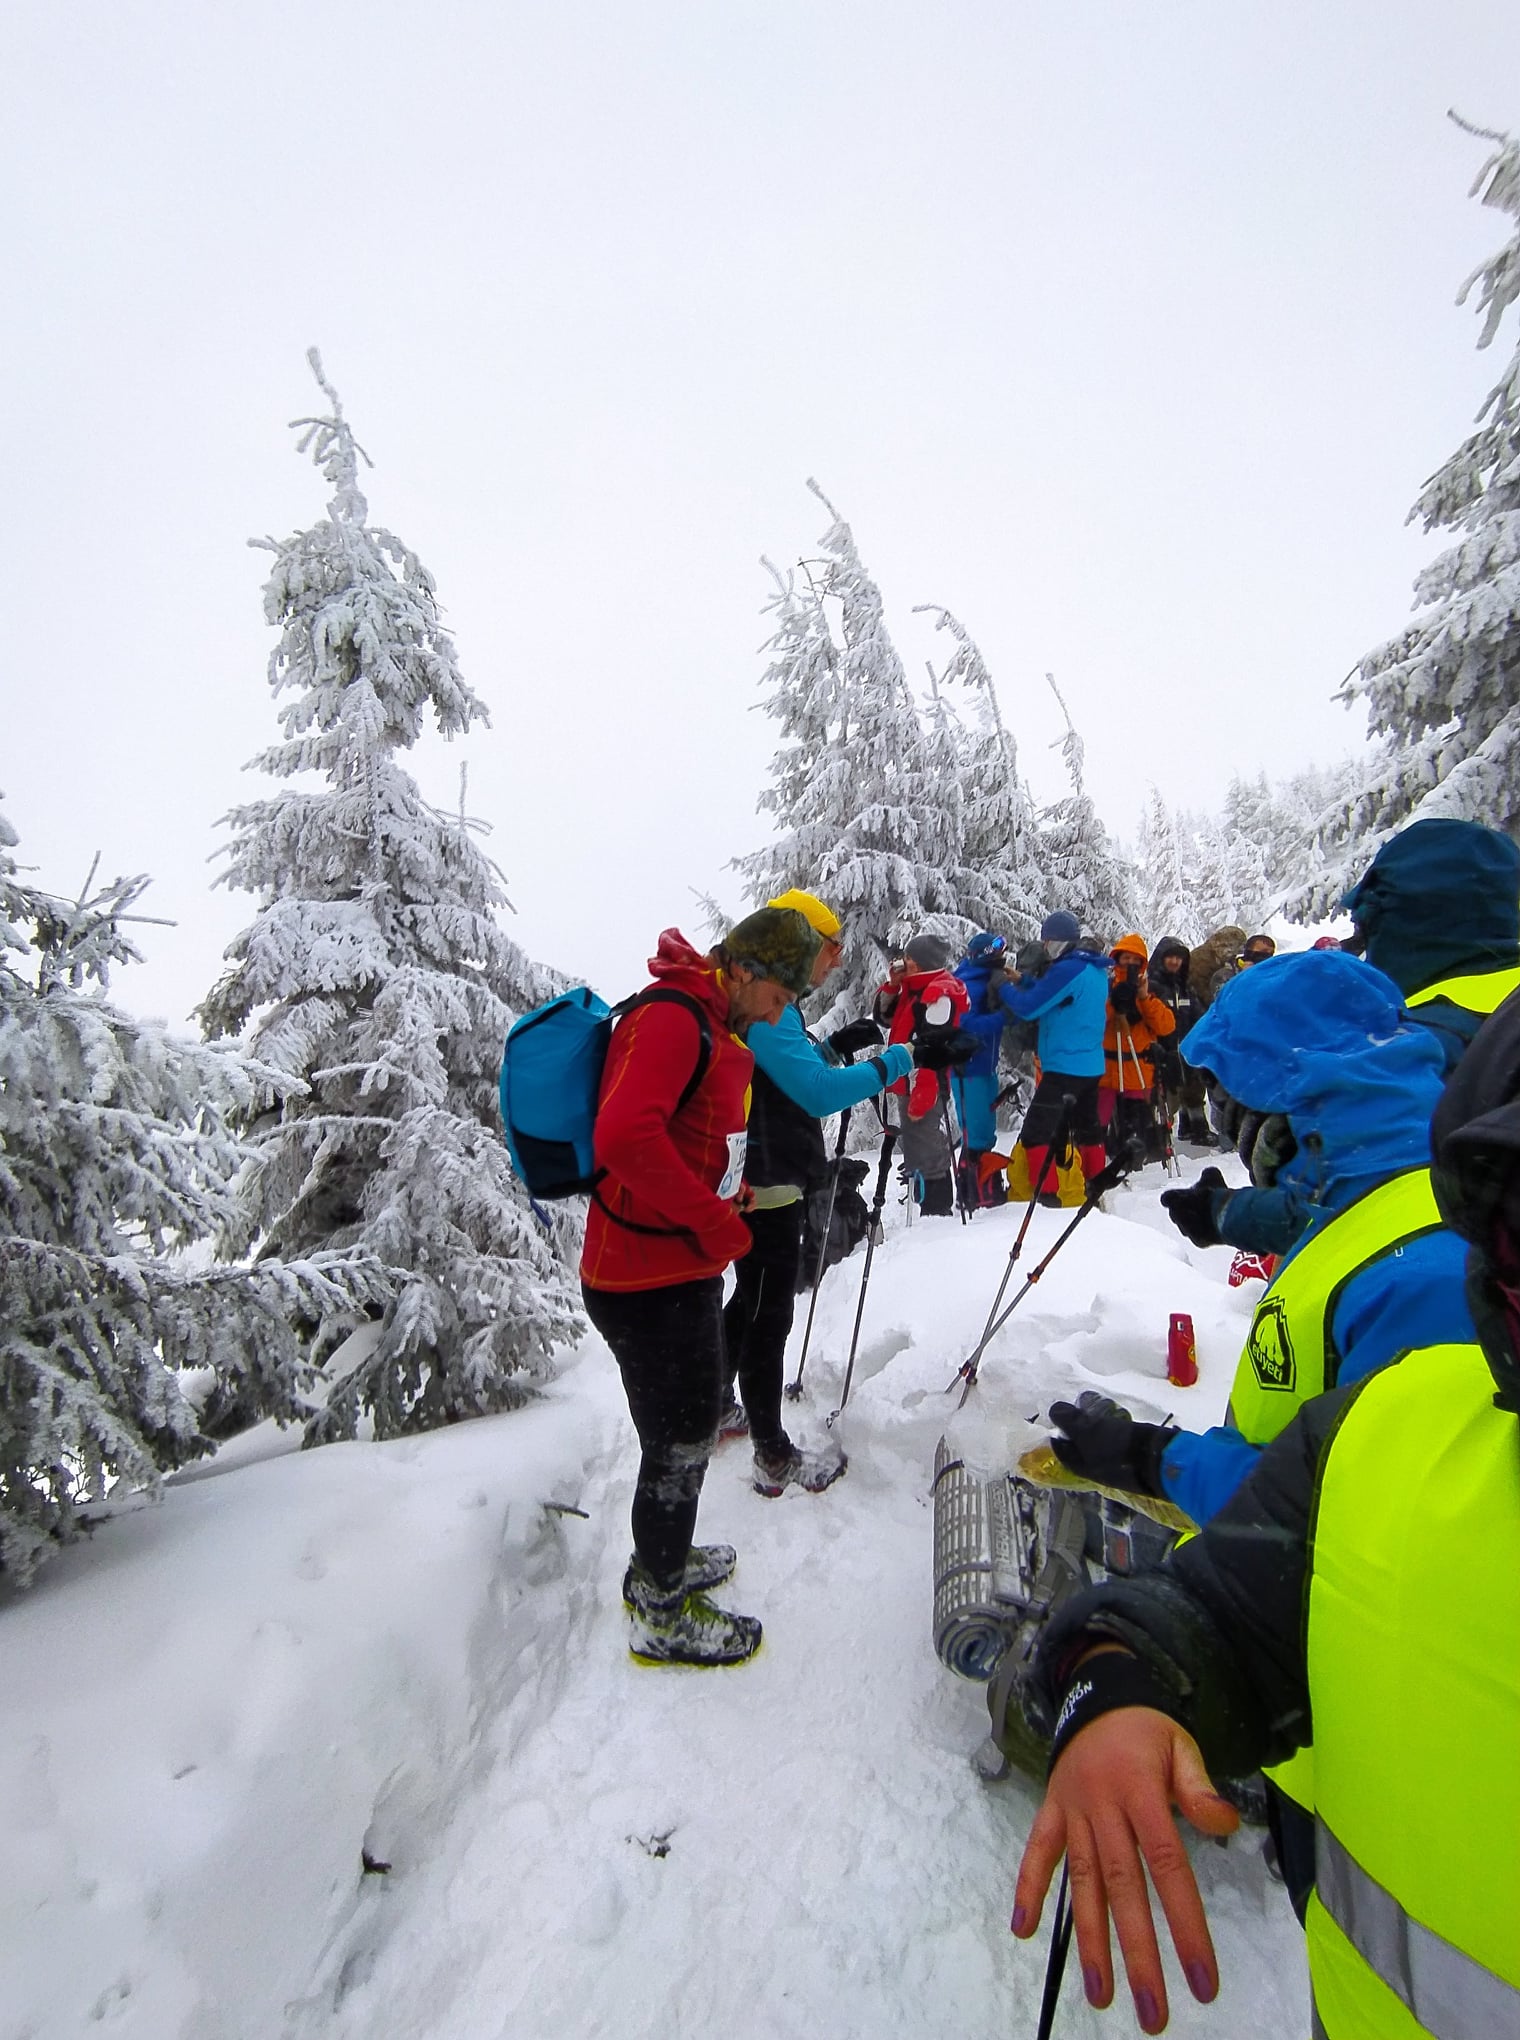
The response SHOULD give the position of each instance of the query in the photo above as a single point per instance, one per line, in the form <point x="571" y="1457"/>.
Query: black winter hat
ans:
<point x="928" y="952"/>
<point x="1475" y="1173"/>
<point x="1475" y="1132"/>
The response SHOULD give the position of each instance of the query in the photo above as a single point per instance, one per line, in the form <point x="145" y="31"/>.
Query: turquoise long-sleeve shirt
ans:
<point x="797" y="1066"/>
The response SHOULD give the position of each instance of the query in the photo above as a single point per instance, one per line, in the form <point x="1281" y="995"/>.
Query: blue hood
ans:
<point x="975" y="975"/>
<point x="1440" y="899"/>
<point x="1323" y="1038"/>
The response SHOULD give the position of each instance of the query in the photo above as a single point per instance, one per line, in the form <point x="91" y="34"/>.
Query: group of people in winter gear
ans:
<point x="709" y="1155"/>
<point x="1353" y="1585"/>
<point x="1372" y="1091"/>
<point x="1104" y="1023"/>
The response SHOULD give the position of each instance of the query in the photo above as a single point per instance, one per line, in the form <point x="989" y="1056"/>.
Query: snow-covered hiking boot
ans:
<point x="734" y="1422"/>
<point x="813" y="1471"/>
<point x="686" y="1629"/>
<point x="707" y="1565"/>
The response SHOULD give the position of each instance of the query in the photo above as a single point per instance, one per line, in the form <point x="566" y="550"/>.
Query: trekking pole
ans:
<point x="884" y="1169"/>
<point x="1055" y="1966"/>
<point x="794" y="1388"/>
<point x="1169" y="1157"/>
<point x="1057" y="1147"/>
<point x="1120" y="1171"/>
<point x="955" y="1167"/>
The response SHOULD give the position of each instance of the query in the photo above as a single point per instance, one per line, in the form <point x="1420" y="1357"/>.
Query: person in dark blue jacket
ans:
<point x="975" y="1085"/>
<point x="1068" y="1001"/>
<point x="1438" y="910"/>
<point x="1341" y="1084"/>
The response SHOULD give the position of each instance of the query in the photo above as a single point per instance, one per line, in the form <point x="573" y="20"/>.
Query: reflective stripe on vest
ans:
<point x="1289" y="1343"/>
<point x="1446" y="1992"/>
<point x="1414" y="1688"/>
<point x="1484" y="992"/>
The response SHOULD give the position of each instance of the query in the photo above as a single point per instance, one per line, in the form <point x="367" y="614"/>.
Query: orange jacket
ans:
<point x="1127" y="1036"/>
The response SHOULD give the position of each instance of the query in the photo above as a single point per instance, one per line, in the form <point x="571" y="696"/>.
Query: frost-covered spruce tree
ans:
<point x="377" y="973"/>
<point x="1445" y="694"/>
<point x="945" y="759"/>
<point x="851" y="788"/>
<point x="115" y="1157"/>
<point x="1314" y="861"/>
<point x="999" y="884"/>
<point x="1166" y="874"/>
<point x="1265" y="850"/>
<point x="1084" y="872"/>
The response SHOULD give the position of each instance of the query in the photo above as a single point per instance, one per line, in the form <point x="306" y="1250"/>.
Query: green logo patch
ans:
<point x="1270" y="1345"/>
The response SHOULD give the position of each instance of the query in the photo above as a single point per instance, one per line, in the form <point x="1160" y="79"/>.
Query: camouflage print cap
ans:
<point x="775" y="942"/>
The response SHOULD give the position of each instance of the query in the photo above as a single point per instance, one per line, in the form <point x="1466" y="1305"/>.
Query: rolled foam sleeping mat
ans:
<point x="973" y="1621"/>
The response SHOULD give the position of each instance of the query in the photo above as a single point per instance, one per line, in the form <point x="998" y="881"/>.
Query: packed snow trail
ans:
<point x="347" y="1743"/>
<point x="798" y="1847"/>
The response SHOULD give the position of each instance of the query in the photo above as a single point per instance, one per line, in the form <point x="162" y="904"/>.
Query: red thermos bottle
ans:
<point x="1181" y="1352"/>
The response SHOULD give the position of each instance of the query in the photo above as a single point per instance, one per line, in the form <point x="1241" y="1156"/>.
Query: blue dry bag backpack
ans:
<point x="551" y="1075"/>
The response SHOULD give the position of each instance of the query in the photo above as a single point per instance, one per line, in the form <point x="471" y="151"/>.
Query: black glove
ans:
<point x="1103" y="1442"/>
<point x="1112" y="1175"/>
<point x="1124" y="997"/>
<point x="945" y="1051"/>
<point x="1192" y="1210"/>
<point x="847" y="1041"/>
<point x="1273" y="1144"/>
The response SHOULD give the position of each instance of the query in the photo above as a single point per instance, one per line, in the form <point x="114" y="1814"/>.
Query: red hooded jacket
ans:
<point x="903" y="1005"/>
<point x="677" y="1171"/>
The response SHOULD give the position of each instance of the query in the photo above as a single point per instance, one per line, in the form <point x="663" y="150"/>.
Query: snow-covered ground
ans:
<point x="217" y="1709"/>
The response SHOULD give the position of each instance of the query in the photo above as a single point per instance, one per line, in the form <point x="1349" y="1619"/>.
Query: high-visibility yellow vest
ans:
<point x="1482" y="991"/>
<point x="1289" y="1351"/>
<point x="1414" y="1684"/>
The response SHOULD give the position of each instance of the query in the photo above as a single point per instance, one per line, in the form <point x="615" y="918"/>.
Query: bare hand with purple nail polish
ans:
<point x="1108" y="1810"/>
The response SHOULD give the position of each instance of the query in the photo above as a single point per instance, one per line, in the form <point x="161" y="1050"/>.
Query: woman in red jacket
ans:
<point x="664" y="1224"/>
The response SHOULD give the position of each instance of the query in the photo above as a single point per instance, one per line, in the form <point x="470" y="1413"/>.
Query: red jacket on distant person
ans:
<point x="677" y="1171"/>
<point x="904" y="1006"/>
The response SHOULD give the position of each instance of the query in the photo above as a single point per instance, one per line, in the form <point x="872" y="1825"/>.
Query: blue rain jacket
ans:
<point x="1070" y="1005"/>
<point x="1323" y="1038"/>
<point x="983" y="1025"/>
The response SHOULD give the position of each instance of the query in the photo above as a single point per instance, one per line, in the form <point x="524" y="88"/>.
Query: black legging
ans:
<point x="668" y="1344"/>
<point x="758" y="1317"/>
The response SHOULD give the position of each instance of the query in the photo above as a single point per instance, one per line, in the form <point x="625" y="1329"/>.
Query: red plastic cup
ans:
<point x="1181" y="1351"/>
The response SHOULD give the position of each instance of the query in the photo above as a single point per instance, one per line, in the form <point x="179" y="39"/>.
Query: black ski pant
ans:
<point x="668" y="1344"/>
<point x="757" y="1319"/>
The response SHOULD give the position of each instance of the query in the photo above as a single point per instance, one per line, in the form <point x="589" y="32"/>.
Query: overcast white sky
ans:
<point x="1127" y="331"/>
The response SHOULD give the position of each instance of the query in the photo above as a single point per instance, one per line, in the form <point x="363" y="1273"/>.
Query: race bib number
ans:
<point x="733" y="1175"/>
